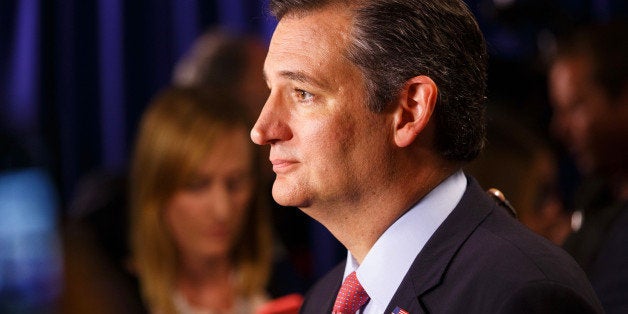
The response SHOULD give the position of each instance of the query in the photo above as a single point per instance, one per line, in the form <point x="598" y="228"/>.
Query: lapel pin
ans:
<point x="399" y="310"/>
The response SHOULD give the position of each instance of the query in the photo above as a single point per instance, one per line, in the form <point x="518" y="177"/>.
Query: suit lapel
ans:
<point x="429" y="267"/>
<point x="323" y="295"/>
<point x="328" y="302"/>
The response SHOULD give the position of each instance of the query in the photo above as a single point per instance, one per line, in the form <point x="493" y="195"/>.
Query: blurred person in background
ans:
<point x="201" y="236"/>
<point x="98" y="277"/>
<point x="226" y="61"/>
<point x="233" y="62"/>
<point x="588" y="83"/>
<point x="522" y="164"/>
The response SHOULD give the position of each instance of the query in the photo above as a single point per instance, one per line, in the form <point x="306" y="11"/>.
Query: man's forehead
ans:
<point x="309" y="41"/>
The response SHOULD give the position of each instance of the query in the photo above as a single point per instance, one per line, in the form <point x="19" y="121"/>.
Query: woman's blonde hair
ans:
<point x="178" y="130"/>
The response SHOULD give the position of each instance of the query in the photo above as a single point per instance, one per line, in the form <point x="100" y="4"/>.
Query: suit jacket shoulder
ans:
<point x="609" y="269"/>
<point x="481" y="260"/>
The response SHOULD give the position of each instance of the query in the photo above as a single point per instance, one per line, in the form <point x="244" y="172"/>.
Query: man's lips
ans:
<point x="282" y="165"/>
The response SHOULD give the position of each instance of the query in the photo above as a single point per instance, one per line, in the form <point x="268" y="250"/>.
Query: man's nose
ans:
<point x="258" y="135"/>
<point x="271" y="125"/>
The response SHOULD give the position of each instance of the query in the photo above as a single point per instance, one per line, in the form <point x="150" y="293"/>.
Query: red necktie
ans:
<point x="351" y="296"/>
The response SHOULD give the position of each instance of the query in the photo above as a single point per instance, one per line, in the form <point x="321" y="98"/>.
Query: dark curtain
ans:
<point x="76" y="75"/>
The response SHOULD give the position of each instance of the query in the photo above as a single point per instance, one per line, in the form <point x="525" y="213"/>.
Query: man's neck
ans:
<point x="358" y="226"/>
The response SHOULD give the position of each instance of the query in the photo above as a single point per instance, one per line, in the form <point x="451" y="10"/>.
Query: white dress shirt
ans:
<point x="390" y="258"/>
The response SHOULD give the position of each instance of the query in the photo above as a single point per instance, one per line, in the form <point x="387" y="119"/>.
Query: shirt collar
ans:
<point x="390" y="258"/>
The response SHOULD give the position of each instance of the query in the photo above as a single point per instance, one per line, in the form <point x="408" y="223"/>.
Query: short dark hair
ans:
<point x="606" y="48"/>
<point x="395" y="40"/>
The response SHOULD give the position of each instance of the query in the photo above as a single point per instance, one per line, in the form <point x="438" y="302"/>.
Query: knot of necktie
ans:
<point x="351" y="296"/>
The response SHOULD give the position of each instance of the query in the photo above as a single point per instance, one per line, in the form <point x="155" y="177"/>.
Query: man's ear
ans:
<point x="414" y="109"/>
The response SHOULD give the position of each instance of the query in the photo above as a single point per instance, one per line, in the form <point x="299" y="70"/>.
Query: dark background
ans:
<point x="75" y="75"/>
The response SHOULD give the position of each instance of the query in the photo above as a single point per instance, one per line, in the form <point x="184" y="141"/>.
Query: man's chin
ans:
<point x="289" y="197"/>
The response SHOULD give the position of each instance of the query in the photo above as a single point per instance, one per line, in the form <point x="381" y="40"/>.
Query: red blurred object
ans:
<point x="288" y="304"/>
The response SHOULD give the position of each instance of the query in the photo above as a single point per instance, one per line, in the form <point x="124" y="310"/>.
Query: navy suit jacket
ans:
<point x="480" y="260"/>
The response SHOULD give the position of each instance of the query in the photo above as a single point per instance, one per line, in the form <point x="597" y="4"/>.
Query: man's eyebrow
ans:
<point x="302" y="77"/>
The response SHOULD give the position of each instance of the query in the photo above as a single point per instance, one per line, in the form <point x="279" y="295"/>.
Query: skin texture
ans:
<point x="335" y="159"/>
<point x="207" y="214"/>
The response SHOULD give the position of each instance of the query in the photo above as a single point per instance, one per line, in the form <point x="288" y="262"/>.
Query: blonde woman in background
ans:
<point x="201" y="243"/>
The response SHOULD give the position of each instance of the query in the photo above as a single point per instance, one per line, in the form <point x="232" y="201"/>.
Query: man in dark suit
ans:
<point x="589" y="88"/>
<point x="374" y="108"/>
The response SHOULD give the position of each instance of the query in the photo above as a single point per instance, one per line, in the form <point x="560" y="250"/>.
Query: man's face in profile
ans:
<point x="326" y="146"/>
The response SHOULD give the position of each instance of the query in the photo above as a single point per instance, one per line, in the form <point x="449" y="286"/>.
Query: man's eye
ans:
<point x="302" y="95"/>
